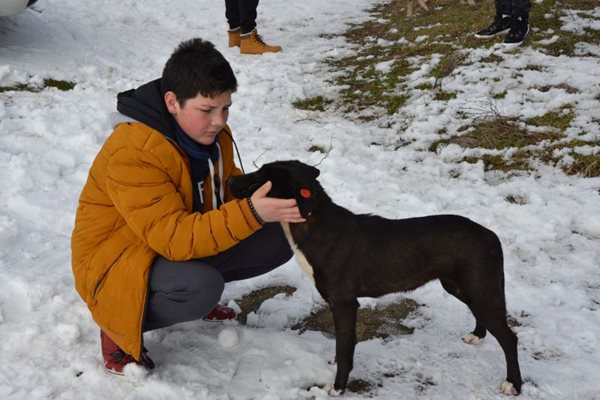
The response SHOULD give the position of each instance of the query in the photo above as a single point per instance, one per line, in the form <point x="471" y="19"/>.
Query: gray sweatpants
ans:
<point x="188" y="290"/>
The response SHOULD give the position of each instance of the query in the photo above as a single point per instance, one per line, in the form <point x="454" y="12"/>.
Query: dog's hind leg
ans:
<point x="490" y="310"/>
<point x="344" y="319"/>
<point x="477" y="335"/>
<point x="498" y="327"/>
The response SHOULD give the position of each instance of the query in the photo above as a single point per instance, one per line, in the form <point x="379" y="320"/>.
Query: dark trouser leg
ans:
<point x="241" y="13"/>
<point x="182" y="291"/>
<point x="258" y="254"/>
<point x="521" y="8"/>
<point x="513" y="7"/>
<point x="232" y="13"/>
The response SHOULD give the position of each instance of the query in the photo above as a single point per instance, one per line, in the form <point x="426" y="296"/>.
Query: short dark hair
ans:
<point x="197" y="67"/>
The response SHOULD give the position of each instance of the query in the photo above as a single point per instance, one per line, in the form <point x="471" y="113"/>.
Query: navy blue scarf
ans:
<point x="199" y="158"/>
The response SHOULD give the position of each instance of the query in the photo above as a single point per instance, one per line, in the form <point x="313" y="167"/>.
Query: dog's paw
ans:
<point x="331" y="391"/>
<point x="509" y="389"/>
<point x="472" y="339"/>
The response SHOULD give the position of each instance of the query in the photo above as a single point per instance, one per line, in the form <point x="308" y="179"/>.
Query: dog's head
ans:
<point x="290" y="179"/>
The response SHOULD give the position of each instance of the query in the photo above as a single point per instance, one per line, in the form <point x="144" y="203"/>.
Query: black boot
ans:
<point x="519" y="29"/>
<point x="500" y="25"/>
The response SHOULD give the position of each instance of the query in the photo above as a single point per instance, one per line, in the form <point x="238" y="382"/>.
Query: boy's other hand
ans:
<point x="275" y="210"/>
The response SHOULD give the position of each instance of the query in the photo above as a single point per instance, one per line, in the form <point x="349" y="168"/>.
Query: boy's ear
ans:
<point x="171" y="102"/>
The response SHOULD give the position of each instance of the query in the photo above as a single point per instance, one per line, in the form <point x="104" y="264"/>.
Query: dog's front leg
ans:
<point x="344" y="319"/>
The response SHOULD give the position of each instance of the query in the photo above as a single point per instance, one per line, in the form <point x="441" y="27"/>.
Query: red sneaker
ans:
<point x="221" y="313"/>
<point x="116" y="359"/>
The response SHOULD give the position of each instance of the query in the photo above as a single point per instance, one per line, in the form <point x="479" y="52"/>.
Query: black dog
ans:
<point x="351" y="256"/>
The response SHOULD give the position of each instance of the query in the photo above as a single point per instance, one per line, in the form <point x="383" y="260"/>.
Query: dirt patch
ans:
<point x="253" y="300"/>
<point x="381" y="322"/>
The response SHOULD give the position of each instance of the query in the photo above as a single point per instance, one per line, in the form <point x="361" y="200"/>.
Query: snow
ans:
<point x="228" y="337"/>
<point x="550" y="228"/>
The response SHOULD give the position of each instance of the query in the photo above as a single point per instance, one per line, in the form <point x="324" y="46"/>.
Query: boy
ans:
<point x="157" y="233"/>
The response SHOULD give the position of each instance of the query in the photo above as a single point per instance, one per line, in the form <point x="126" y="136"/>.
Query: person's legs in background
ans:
<point x="232" y="14"/>
<point x="519" y="23"/>
<point x="501" y="23"/>
<point x="241" y="17"/>
<point x="512" y="16"/>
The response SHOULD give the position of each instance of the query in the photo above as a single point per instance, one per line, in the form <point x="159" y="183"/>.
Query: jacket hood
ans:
<point x="146" y="105"/>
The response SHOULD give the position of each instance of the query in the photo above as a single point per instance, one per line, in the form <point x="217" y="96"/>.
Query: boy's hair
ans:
<point x="197" y="67"/>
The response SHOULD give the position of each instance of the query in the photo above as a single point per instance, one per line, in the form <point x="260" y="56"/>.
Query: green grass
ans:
<point x="48" y="83"/>
<point x="318" y="103"/>
<point x="368" y="91"/>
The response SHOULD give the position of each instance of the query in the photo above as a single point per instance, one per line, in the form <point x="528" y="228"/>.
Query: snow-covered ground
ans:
<point x="49" y="347"/>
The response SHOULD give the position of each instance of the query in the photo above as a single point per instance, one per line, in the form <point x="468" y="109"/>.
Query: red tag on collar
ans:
<point x="304" y="192"/>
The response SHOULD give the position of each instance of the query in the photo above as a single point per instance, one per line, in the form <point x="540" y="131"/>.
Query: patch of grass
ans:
<point x="500" y="95"/>
<point x="60" y="85"/>
<point x="502" y="133"/>
<point x="375" y="80"/>
<point x="585" y="165"/>
<point x="448" y="64"/>
<point x="492" y="59"/>
<point x="444" y="96"/>
<point x="560" y="119"/>
<point x="252" y="301"/>
<point x="371" y="323"/>
<point x="404" y="43"/>
<point x="317" y="149"/>
<point x="48" y="83"/>
<point x="19" y="87"/>
<point x="361" y="386"/>
<point x="499" y="133"/>
<point x="318" y="103"/>
<point x="546" y="17"/>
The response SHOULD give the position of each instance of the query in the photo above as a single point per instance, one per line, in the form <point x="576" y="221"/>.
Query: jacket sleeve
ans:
<point x="146" y="195"/>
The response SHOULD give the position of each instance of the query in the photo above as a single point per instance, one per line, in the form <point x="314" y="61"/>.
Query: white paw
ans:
<point x="471" y="339"/>
<point x="331" y="390"/>
<point x="508" y="388"/>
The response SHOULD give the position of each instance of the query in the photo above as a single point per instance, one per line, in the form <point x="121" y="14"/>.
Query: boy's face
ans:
<point x="201" y="118"/>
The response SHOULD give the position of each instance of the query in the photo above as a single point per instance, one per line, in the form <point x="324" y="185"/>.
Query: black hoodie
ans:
<point x="146" y="105"/>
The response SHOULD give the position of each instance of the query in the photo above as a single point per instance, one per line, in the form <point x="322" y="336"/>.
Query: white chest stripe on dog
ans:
<point x="302" y="261"/>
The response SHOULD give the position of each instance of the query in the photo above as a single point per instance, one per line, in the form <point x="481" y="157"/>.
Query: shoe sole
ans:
<point x="219" y="320"/>
<point x="491" y="36"/>
<point x="112" y="371"/>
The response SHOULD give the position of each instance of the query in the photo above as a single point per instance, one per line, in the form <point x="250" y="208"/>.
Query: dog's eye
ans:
<point x="306" y="193"/>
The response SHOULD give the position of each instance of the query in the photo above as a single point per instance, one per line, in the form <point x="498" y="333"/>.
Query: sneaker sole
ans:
<point x="219" y="320"/>
<point x="112" y="371"/>
<point x="491" y="36"/>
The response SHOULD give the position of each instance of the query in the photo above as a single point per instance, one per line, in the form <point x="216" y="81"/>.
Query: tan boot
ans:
<point x="234" y="37"/>
<point x="252" y="43"/>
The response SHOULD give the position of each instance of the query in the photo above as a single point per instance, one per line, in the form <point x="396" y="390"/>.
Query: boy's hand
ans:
<point x="275" y="210"/>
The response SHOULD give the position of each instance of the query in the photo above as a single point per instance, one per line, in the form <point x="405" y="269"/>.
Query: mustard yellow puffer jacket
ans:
<point x="136" y="204"/>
